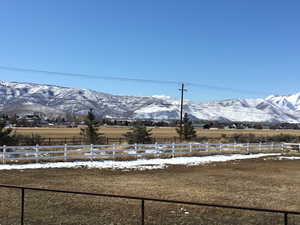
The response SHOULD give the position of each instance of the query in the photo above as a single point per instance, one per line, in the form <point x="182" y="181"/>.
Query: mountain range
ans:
<point x="53" y="101"/>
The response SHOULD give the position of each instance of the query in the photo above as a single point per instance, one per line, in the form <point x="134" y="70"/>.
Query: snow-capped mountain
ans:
<point x="24" y="98"/>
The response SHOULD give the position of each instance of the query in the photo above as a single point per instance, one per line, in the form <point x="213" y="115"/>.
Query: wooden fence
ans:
<point x="24" y="154"/>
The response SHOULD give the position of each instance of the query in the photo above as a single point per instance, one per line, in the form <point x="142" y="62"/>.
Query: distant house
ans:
<point x="30" y="120"/>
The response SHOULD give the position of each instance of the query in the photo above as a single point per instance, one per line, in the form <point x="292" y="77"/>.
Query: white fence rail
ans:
<point x="292" y="147"/>
<point x="17" y="154"/>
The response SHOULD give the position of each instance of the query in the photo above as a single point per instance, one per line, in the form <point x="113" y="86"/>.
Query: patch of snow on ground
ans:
<point x="289" y="157"/>
<point x="142" y="164"/>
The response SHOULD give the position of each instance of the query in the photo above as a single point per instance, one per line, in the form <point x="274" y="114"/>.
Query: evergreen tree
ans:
<point x="6" y="136"/>
<point x="188" y="131"/>
<point x="90" y="133"/>
<point x="139" y="135"/>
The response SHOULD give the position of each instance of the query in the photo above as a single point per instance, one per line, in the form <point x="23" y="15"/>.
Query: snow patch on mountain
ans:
<point x="23" y="98"/>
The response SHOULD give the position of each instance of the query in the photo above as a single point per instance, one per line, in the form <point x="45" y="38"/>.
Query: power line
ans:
<point x="89" y="76"/>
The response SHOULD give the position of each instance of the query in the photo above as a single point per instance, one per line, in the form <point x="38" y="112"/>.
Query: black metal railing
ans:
<point x="284" y="213"/>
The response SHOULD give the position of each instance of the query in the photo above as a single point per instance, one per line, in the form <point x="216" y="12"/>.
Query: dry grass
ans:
<point x="257" y="183"/>
<point x="159" y="132"/>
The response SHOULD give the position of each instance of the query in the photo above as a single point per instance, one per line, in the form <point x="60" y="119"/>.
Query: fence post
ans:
<point x="282" y="147"/>
<point x="136" y="149"/>
<point x="234" y="146"/>
<point x="22" y="205"/>
<point x="220" y="146"/>
<point x="65" y="152"/>
<point x="156" y="149"/>
<point x="259" y="147"/>
<point x="191" y="147"/>
<point x="91" y="151"/>
<point x="272" y="146"/>
<point x="299" y="148"/>
<point x="285" y="219"/>
<point x="36" y="153"/>
<point x="173" y="149"/>
<point x="143" y="212"/>
<point x="206" y="147"/>
<point x="114" y="150"/>
<point x="3" y="154"/>
<point x="248" y="148"/>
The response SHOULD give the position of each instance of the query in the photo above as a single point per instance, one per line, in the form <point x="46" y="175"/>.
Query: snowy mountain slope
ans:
<point x="24" y="98"/>
<point x="290" y="102"/>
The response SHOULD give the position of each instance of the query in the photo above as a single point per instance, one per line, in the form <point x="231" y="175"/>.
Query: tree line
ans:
<point x="91" y="133"/>
<point x="138" y="133"/>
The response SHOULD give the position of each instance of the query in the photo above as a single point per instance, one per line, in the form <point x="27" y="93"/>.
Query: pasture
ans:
<point x="264" y="183"/>
<point x="159" y="132"/>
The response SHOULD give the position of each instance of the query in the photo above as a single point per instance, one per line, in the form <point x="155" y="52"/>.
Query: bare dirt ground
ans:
<point x="162" y="132"/>
<point x="264" y="183"/>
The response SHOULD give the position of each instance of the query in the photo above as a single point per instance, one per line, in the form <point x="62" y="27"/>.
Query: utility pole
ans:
<point x="181" y="110"/>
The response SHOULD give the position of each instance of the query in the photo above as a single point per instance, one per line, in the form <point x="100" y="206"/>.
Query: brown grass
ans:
<point x="159" y="132"/>
<point x="255" y="183"/>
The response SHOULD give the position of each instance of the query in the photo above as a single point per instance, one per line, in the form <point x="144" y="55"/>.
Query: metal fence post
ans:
<point x="272" y="146"/>
<point x="248" y="148"/>
<point x="282" y="147"/>
<point x="206" y="147"/>
<point x="220" y="146"/>
<point x="22" y="205"/>
<point x="37" y="153"/>
<point x="143" y="212"/>
<point x="285" y="219"/>
<point x="234" y="146"/>
<point x="65" y="152"/>
<point x="191" y="147"/>
<point x="3" y="154"/>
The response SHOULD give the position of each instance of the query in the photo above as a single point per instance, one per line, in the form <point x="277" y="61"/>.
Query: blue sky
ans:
<point x="247" y="45"/>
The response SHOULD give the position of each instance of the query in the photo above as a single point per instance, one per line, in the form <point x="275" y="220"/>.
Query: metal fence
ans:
<point x="17" y="154"/>
<point x="142" y="200"/>
<point x="77" y="140"/>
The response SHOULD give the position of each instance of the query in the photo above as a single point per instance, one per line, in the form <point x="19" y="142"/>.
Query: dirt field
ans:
<point x="256" y="183"/>
<point x="162" y="132"/>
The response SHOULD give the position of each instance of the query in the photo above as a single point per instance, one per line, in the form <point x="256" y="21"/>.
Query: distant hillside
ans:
<point x="23" y="98"/>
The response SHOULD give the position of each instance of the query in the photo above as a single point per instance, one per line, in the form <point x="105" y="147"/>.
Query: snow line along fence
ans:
<point x="23" y="190"/>
<point x="17" y="154"/>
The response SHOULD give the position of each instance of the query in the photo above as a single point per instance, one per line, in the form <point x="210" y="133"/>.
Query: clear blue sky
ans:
<point x="251" y="45"/>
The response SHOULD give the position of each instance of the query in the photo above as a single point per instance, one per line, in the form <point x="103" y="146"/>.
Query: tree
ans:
<point x="90" y="132"/>
<point x="139" y="135"/>
<point x="188" y="132"/>
<point x="6" y="136"/>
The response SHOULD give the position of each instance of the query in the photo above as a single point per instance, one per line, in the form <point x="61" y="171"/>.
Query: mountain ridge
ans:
<point x="53" y="100"/>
